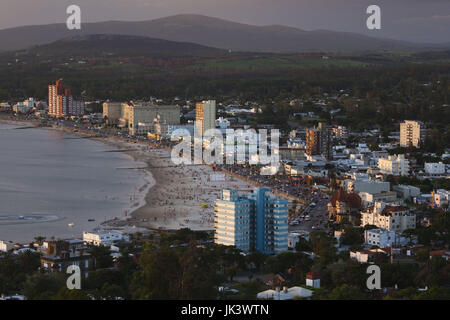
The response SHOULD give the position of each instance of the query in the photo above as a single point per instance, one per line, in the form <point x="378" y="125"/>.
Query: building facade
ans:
<point x="389" y="217"/>
<point x="232" y="220"/>
<point x="440" y="197"/>
<point x="386" y="196"/>
<point x="412" y="133"/>
<point x="383" y="238"/>
<point x="104" y="238"/>
<point x="205" y="115"/>
<point x="319" y="142"/>
<point x="345" y="206"/>
<point x="395" y="165"/>
<point x="366" y="185"/>
<point x="59" y="255"/>
<point x="258" y="221"/>
<point x="6" y="246"/>
<point x="112" y="111"/>
<point x="61" y="103"/>
<point x="140" y="118"/>
<point x="435" y="169"/>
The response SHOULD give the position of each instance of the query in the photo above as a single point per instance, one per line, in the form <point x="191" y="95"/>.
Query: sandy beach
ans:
<point x="181" y="196"/>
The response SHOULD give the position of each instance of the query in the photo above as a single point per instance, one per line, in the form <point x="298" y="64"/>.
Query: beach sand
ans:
<point x="179" y="195"/>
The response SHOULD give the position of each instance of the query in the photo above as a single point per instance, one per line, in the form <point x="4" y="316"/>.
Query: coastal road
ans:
<point x="318" y="215"/>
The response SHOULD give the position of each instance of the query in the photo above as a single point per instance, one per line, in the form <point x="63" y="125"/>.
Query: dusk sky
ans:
<point x="412" y="20"/>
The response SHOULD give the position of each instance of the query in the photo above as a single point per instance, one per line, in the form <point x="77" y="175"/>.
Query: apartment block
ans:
<point x="319" y="142"/>
<point x="396" y="165"/>
<point x="390" y="217"/>
<point x="383" y="238"/>
<point x="140" y="118"/>
<point x="112" y="111"/>
<point x="435" y="169"/>
<point x="256" y="221"/>
<point x="232" y="220"/>
<point x="412" y="133"/>
<point x="61" y="103"/>
<point x="205" y="115"/>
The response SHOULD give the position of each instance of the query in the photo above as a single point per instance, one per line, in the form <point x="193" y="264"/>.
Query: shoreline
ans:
<point x="176" y="196"/>
<point x="139" y="187"/>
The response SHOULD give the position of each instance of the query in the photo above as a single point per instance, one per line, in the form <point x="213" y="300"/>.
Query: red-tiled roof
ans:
<point x="389" y="209"/>
<point x="353" y="200"/>
<point x="312" y="275"/>
<point x="440" y="253"/>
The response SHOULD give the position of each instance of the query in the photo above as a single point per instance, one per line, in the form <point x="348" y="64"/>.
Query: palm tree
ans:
<point x="39" y="239"/>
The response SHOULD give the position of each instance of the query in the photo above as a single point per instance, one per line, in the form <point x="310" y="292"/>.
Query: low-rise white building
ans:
<point x="285" y="294"/>
<point x="313" y="280"/>
<point x="366" y="185"/>
<point x="435" y="169"/>
<point x="363" y="256"/>
<point x="383" y="238"/>
<point x="370" y="198"/>
<point x="390" y="217"/>
<point x="396" y="165"/>
<point x="406" y="192"/>
<point x="440" y="197"/>
<point x="105" y="237"/>
<point x="6" y="246"/>
<point x="5" y="106"/>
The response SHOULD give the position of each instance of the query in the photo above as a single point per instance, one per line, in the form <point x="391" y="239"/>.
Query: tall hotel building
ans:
<point x="61" y="102"/>
<point x="412" y="133"/>
<point x="258" y="221"/>
<point x="206" y="113"/>
<point x="319" y="142"/>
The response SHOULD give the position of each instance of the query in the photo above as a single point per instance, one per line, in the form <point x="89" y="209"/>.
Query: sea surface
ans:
<point x="50" y="179"/>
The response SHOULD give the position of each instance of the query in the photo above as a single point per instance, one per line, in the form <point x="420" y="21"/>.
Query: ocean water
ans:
<point x="50" y="179"/>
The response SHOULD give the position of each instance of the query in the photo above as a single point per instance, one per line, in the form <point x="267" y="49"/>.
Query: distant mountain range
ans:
<point x="120" y="45"/>
<point x="210" y="32"/>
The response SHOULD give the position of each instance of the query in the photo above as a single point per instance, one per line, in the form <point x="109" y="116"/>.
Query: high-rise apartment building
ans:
<point x="61" y="102"/>
<point x="412" y="133"/>
<point x="112" y="111"/>
<point x="140" y="118"/>
<point x="319" y="142"/>
<point x="258" y="221"/>
<point x="205" y="115"/>
<point x="232" y="220"/>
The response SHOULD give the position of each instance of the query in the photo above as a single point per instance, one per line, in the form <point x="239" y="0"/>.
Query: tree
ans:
<point x="434" y="293"/>
<point x="402" y="294"/>
<point x="257" y="259"/>
<point x="39" y="239"/>
<point x="423" y="255"/>
<point x="66" y="294"/>
<point x="303" y="245"/>
<point x="409" y="233"/>
<point x="249" y="290"/>
<point x="323" y="246"/>
<point x="43" y="286"/>
<point x="352" y="236"/>
<point x="102" y="256"/>
<point x="347" y="292"/>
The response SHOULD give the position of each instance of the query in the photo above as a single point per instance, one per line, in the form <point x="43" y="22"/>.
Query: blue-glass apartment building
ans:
<point x="257" y="221"/>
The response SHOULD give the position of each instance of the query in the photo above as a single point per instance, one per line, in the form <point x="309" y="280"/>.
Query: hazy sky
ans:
<point x="412" y="20"/>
